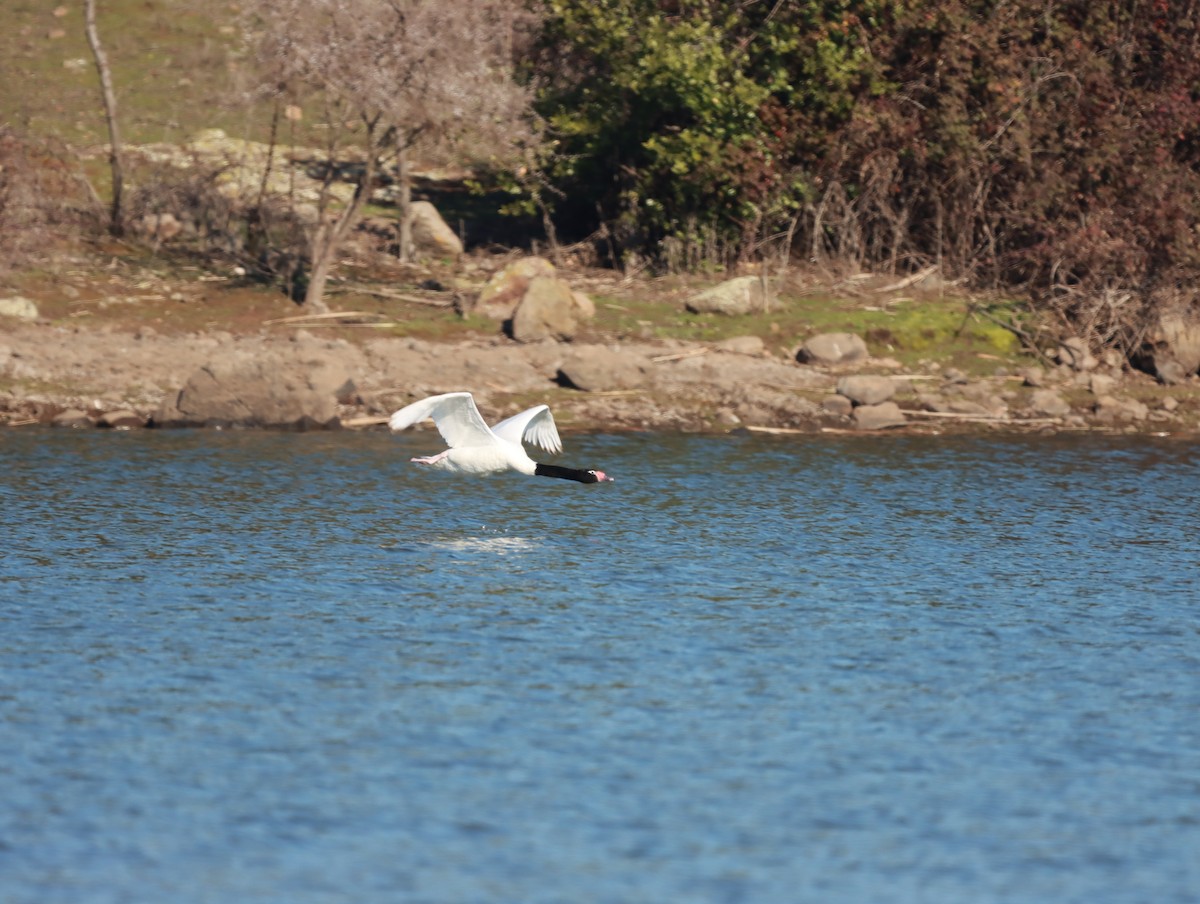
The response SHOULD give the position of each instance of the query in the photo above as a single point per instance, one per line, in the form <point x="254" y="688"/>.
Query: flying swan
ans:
<point x="476" y="448"/>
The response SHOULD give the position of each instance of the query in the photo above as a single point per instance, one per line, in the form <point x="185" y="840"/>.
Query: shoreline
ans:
<point x="108" y="376"/>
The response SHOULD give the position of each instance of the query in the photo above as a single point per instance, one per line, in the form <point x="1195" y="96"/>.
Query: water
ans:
<point x="295" y="668"/>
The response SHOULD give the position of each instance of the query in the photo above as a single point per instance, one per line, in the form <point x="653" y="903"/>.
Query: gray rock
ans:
<point x="74" y="418"/>
<point x="742" y="345"/>
<point x="1048" y="403"/>
<point x="596" y="368"/>
<point x="829" y="349"/>
<point x="431" y="234"/>
<point x="503" y="292"/>
<point x="743" y="295"/>
<point x="268" y="391"/>
<point x="548" y="310"/>
<point x="969" y="406"/>
<point x="121" y="419"/>
<point x="1115" y="410"/>
<point x="1173" y="346"/>
<point x="879" y="417"/>
<point x="1034" y="376"/>
<point x="837" y="405"/>
<point x="19" y="307"/>
<point x="866" y="389"/>
<point x="1102" y="384"/>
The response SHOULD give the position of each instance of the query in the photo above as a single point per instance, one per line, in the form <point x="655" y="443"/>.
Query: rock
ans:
<point x="548" y="310"/>
<point x="587" y="307"/>
<point x="73" y="417"/>
<point x="976" y="409"/>
<point x="1172" y="350"/>
<point x="837" y="405"/>
<point x="742" y="345"/>
<point x="866" y="389"/>
<point x="1102" y="384"/>
<point x="264" y="391"/>
<point x="1033" y="376"/>
<point x="431" y="234"/>
<point x="829" y="349"/>
<point x="1170" y="371"/>
<point x="1110" y="410"/>
<point x="597" y="368"/>
<point x="18" y="306"/>
<point x="743" y="295"/>
<point x="1170" y="404"/>
<point x="1074" y="353"/>
<point x="503" y="292"/>
<point x="932" y="401"/>
<point x="121" y="419"/>
<point x="1048" y="403"/>
<point x="879" y="417"/>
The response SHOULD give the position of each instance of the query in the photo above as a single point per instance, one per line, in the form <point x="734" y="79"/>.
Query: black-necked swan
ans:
<point x="476" y="448"/>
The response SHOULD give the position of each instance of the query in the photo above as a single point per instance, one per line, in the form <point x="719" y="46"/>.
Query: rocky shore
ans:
<point x="83" y="377"/>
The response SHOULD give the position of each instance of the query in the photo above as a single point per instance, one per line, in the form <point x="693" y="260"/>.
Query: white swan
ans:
<point x="476" y="448"/>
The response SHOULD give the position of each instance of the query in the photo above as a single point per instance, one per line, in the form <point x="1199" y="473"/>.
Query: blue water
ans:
<point x="247" y="667"/>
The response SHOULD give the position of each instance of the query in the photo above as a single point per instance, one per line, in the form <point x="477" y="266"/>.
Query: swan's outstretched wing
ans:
<point x="457" y="419"/>
<point x="535" y="425"/>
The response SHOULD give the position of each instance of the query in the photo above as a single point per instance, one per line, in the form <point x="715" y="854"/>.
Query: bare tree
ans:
<point x="116" y="217"/>
<point x="395" y="77"/>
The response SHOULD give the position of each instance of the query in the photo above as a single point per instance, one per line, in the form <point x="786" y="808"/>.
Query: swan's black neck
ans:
<point x="566" y="473"/>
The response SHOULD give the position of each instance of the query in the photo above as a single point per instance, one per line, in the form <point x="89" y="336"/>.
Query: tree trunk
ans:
<point x="404" y="180"/>
<point x="116" y="224"/>
<point x="328" y="237"/>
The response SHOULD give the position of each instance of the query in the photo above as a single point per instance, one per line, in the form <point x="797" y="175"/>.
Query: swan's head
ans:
<point x="598" y="477"/>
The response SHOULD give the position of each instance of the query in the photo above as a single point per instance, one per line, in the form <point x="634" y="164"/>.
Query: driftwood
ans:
<point x="317" y="318"/>
<point x="679" y="356"/>
<point x="908" y="280"/>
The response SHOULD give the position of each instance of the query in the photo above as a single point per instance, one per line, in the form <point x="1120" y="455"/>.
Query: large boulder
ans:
<point x="1111" y="410"/>
<point x="431" y="234"/>
<point x="271" y="390"/>
<point x="548" y="310"/>
<point x="1172" y="348"/>
<point x="598" y="368"/>
<point x="504" y="291"/>
<point x="743" y="295"/>
<point x="867" y="389"/>
<point x="879" y="417"/>
<point x="832" y="349"/>
<point x="1048" y="403"/>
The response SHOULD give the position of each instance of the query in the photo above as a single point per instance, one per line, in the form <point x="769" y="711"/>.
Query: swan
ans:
<point x="476" y="448"/>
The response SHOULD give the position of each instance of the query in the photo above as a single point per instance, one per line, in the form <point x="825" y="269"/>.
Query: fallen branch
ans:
<point x="679" y="356"/>
<point x="777" y="431"/>
<point x="908" y="280"/>
<point x="364" y="421"/>
<point x="332" y="315"/>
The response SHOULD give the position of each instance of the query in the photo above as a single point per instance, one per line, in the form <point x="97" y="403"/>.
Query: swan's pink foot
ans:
<point x="431" y="459"/>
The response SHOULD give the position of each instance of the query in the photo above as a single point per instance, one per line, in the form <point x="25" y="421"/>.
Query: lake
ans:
<point x="252" y="667"/>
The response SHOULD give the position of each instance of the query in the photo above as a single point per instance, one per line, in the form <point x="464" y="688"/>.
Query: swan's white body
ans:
<point x="476" y="448"/>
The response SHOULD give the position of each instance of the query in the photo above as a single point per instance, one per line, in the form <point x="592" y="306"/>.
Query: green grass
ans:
<point x="910" y="331"/>
<point x="172" y="63"/>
